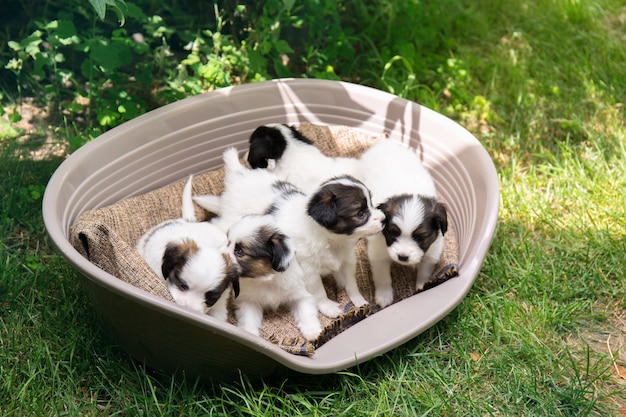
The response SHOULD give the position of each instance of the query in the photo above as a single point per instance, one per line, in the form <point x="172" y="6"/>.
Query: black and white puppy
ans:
<point x="416" y="221"/>
<point x="266" y="255"/>
<point x="193" y="258"/>
<point x="293" y="157"/>
<point x="323" y="226"/>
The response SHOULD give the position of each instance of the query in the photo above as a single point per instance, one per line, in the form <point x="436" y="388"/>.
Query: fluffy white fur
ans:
<point x="260" y="245"/>
<point x="246" y="192"/>
<point x="193" y="258"/>
<point x="308" y="220"/>
<point x="415" y="221"/>
<point x="302" y="163"/>
<point x="322" y="251"/>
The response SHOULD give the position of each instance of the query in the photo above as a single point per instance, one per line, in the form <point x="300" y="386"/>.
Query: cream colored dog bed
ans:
<point x="107" y="237"/>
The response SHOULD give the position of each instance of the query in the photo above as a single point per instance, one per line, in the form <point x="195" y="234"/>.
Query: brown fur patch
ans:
<point x="189" y="248"/>
<point x="256" y="260"/>
<point x="175" y="257"/>
<point x="231" y="276"/>
<point x="261" y="253"/>
<point x="232" y="272"/>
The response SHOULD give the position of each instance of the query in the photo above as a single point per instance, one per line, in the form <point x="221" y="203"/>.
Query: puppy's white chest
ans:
<point x="329" y="264"/>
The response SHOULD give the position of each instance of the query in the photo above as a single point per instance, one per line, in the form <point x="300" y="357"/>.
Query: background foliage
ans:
<point x="98" y="67"/>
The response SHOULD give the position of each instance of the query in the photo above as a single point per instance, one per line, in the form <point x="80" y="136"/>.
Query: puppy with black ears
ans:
<point x="323" y="226"/>
<point x="265" y="254"/>
<point x="416" y="221"/>
<point x="194" y="260"/>
<point x="293" y="157"/>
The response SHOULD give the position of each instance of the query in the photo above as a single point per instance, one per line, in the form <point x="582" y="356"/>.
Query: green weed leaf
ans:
<point x="110" y="56"/>
<point x="15" y="116"/>
<point x="100" y="6"/>
<point x="289" y="4"/>
<point x="14" y="45"/>
<point x="282" y="47"/>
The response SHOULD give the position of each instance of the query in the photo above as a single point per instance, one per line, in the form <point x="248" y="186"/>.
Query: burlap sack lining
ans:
<point x="107" y="236"/>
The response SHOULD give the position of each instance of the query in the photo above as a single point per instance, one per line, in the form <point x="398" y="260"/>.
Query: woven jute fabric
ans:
<point x="107" y="238"/>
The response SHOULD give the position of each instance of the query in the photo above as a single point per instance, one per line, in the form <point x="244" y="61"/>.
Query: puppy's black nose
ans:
<point x="403" y="258"/>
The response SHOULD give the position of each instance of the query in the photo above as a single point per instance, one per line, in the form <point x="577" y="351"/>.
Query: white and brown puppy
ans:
<point x="293" y="157"/>
<point x="415" y="220"/>
<point x="265" y="254"/>
<point x="324" y="226"/>
<point x="194" y="260"/>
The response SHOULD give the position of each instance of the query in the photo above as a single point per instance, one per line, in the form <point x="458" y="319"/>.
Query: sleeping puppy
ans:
<point x="293" y="157"/>
<point x="193" y="258"/>
<point x="415" y="220"/>
<point x="266" y="254"/>
<point x="323" y="226"/>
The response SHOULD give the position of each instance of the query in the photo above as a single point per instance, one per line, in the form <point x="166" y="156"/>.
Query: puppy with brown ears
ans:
<point x="266" y="255"/>
<point x="193" y="258"/>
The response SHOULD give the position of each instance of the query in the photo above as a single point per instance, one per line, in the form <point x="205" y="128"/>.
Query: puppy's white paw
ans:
<point x="384" y="296"/>
<point x="251" y="329"/>
<point x="219" y="314"/>
<point x="311" y="331"/>
<point x="329" y="308"/>
<point x="358" y="300"/>
<point x="419" y="285"/>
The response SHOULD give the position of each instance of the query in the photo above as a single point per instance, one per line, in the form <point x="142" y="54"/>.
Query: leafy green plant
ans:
<point x="100" y="6"/>
<point x="96" y="74"/>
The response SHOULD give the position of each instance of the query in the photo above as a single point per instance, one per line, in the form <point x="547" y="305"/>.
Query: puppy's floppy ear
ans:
<point x="297" y="135"/>
<point x="231" y="274"/>
<point x="282" y="252"/>
<point x="384" y="207"/>
<point x="175" y="257"/>
<point x="440" y="217"/>
<point x="322" y="208"/>
<point x="235" y="283"/>
<point x="265" y="143"/>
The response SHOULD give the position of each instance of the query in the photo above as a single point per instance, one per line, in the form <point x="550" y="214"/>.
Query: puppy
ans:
<point x="265" y="254"/>
<point x="193" y="258"/>
<point x="245" y="192"/>
<point x="293" y="157"/>
<point x="416" y="221"/>
<point x="323" y="226"/>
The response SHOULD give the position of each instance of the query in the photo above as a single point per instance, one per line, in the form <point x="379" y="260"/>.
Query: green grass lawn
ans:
<point x="542" y="332"/>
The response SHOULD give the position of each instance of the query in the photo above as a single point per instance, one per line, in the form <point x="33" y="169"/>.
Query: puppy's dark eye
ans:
<point x="361" y="214"/>
<point x="239" y="252"/>
<point x="183" y="287"/>
<point x="420" y="238"/>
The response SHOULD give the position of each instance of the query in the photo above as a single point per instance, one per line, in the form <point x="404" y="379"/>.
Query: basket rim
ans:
<point x="57" y="221"/>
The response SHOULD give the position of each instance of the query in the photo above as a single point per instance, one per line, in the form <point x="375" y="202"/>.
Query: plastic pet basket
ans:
<point x="188" y="137"/>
